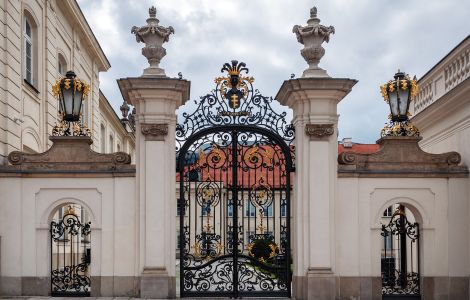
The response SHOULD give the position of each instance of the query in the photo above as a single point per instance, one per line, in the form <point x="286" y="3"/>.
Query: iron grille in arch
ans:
<point x="234" y="101"/>
<point x="400" y="257"/>
<point x="234" y="163"/>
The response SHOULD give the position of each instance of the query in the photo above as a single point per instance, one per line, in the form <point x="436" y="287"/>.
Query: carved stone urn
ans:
<point x="153" y="35"/>
<point x="312" y="37"/>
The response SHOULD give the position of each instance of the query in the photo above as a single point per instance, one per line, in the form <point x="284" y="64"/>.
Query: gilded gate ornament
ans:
<point x="234" y="88"/>
<point x="234" y="158"/>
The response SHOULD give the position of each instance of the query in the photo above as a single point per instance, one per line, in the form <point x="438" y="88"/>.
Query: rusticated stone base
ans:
<point x="324" y="286"/>
<point x="105" y="286"/>
<point x="10" y="286"/>
<point x="446" y="288"/>
<point x="155" y="283"/>
<point x="327" y="286"/>
<point x="115" y="286"/>
<point x="319" y="284"/>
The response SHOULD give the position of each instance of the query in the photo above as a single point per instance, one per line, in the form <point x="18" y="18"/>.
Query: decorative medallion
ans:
<point x="319" y="130"/>
<point x="154" y="132"/>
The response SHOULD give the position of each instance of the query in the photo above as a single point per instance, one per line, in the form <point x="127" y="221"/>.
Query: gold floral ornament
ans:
<point x="404" y="84"/>
<point x="78" y="85"/>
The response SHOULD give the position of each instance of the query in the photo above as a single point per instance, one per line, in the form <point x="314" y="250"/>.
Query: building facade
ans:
<point x="41" y="41"/>
<point x="366" y="222"/>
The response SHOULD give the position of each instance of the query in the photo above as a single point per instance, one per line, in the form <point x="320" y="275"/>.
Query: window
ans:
<point x="177" y="239"/>
<point x="283" y="209"/>
<point x="268" y="211"/>
<point x="103" y="139"/>
<point x="28" y="51"/>
<point x="205" y="209"/>
<point x="61" y="65"/>
<point x="250" y="210"/>
<point x="230" y="209"/>
<point x="178" y="207"/>
<point x="388" y="242"/>
<point x="111" y="144"/>
<point x="388" y="212"/>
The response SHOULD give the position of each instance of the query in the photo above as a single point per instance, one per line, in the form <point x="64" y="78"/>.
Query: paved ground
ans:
<point x="115" y="298"/>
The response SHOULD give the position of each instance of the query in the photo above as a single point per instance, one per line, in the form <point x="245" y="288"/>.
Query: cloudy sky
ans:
<point x="373" y="39"/>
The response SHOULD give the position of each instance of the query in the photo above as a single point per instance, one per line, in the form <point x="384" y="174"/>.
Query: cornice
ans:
<point x="140" y="84"/>
<point x="340" y="86"/>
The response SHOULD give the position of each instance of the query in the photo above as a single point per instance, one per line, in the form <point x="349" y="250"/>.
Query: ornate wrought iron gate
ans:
<point x="235" y="158"/>
<point x="70" y="254"/>
<point x="400" y="258"/>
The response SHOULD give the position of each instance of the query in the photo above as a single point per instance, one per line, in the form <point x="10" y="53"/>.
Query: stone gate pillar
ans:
<point x="314" y="99"/>
<point x="156" y="98"/>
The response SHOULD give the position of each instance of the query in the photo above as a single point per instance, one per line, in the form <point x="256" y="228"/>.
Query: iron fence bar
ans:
<point x="235" y="211"/>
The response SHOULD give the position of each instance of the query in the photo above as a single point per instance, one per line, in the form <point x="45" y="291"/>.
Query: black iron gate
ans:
<point x="235" y="158"/>
<point x="400" y="257"/>
<point x="70" y="253"/>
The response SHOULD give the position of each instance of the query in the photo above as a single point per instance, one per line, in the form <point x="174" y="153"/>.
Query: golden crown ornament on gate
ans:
<point x="234" y="88"/>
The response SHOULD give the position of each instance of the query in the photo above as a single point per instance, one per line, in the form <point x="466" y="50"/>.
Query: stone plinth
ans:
<point x="400" y="156"/>
<point x="70" y="154"/>
<point x="314" y="102"/>
<point x="156" y="100"/>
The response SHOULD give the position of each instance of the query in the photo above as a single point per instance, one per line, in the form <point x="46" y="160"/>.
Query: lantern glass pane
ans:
<point x="68" y="99"/>
<point x="78" y="102"/>
<point x="403" y="102"/>
<point x="393" y="99"/>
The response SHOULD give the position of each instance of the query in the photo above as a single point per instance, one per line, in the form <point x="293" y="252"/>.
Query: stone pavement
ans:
<point x="111" y="298"/>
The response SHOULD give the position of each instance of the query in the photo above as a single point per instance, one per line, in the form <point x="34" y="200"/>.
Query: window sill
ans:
<point x="30" y="86"/>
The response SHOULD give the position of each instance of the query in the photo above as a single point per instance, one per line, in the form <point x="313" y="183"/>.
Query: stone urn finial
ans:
<point x="312" y="36"/>
<point x="153" y="35"/>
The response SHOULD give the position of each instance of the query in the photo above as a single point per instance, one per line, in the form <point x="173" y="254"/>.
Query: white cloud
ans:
<point x="373" y="38"/>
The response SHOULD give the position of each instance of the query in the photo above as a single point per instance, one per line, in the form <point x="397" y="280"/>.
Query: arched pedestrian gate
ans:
<point x="70" y="252"/>
<point x="400" y="256"/>
<point x="235" y="158"/>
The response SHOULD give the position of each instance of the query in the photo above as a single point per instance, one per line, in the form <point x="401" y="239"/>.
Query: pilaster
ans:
<point x="156" y="100"/>
<point x="314" y="102"/>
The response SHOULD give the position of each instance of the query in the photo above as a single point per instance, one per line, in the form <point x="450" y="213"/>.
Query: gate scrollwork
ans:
<point x="234" y="158"/>
<point x="400" y="256"/>
<point x="70" y="255"/>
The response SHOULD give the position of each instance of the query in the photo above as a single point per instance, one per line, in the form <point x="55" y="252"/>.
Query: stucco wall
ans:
<point x="27" y="206"/>
<point x="440" y="206"/>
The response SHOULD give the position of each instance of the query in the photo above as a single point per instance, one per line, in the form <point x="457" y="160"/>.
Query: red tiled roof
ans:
<point x="359" y="148"/>
<point x="271" y="174"/>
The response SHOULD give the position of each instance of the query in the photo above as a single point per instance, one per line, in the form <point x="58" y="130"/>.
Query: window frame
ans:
<point x="103" y="138"/>
<point x="61" y="61"/>
<point x="28" y="39"/>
